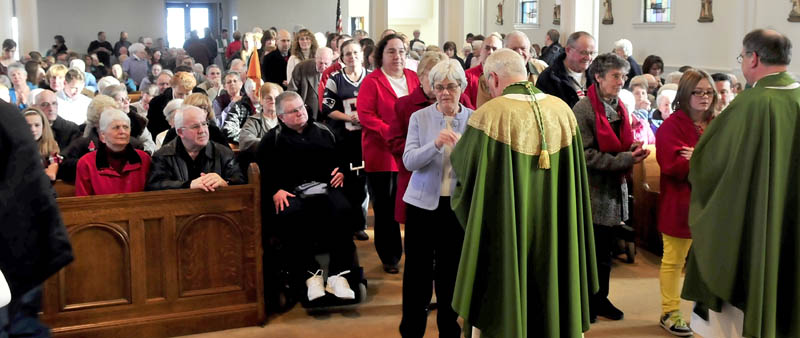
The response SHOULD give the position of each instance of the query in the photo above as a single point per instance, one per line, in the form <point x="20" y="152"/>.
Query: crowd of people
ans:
<point x="509" y="165"/>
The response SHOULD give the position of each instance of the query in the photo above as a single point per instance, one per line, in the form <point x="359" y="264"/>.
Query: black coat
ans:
<point x="214" y="134"/>
<point x="64" y="132"/>
<point x="551" y="53"/>
<point x="156" y="121"/>
<point x="168" y="169"/>
<point x="635" y="70"/>
<point x="33" y="241"/>
<point x="273" y="68"/>
<point x="555" y="81"/>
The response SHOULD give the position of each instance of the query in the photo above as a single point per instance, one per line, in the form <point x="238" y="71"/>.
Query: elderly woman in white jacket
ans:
<point x="432" y="232"/>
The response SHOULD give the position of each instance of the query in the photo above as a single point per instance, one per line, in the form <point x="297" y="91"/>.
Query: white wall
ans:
<point x="357" y="8"/>
<point x="407" y="15"/>
<point x="316" y="15"/>
<point x="510" y="20"/>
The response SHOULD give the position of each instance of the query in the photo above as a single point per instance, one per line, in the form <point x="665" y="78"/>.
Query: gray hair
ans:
<point x="106" y="82"/>
<point x="135" y="48"/>
<point x="603" y="63"/>
<point x="674" y="77"/>
<point x="505" y="62"/>
<point x="320" y="50"/>
<point x="78" y="64"/>
<point x="166" y="72"/>
<point x="249" y="86"/>
<point x="110" y="115"/>
<point x="517" y="33"/>
<point x="198" y="68"/>
<point x="574" y="37"/>
<point x="625" y="45"/>
<point x="178" y="114"/>
<point x="208" y="69"/>
<point x="113" y="90"/>
<point x="171" y="107"/>
<point x="235" y="62"/>
<point x="773" y="48"/>
<point x="232" y="73"/>
<point x="285" y="96"/>
<point x="448" y="69"/>
<point x="151" y="90"/>
<point x="17" y="67"/>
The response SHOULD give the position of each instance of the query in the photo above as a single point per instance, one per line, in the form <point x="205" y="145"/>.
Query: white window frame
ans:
<point x="518" y="16"/>
<point x="640" y="23"/>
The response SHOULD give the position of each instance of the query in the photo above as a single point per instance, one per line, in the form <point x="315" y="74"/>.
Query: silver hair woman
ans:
<point x="119" y="93"/>
<point x="431" y="225"/>
<point x="116" y="167"/>
<point x="169" y="113"/>
<point x="19" y="89"/>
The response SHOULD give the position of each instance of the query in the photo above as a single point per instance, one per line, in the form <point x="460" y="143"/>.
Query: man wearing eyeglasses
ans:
<point x="192" y="160"/>
<point x="63" y="131"/>
<point x="742" y="271"/>
<point x="568" y="77"/>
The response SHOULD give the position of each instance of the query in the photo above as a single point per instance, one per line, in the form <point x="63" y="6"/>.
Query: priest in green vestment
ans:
<point x="527" y="265"/>
<point x="744" y="268"/>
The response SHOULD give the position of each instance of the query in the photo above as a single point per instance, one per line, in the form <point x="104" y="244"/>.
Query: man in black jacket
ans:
<point x="192" y="160"/>
<point x="63" y="131"/>
<point x="273" y="68"/>
<point x="552" y="49"/>
<point x="181" y="85"/>
<point x="33" y="240"/>
<point x="568" y="77"/>
<point x="294" y="153"/>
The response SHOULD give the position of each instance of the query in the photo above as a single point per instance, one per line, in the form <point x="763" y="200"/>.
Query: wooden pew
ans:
<point x="646" y="175"/>
<point x="135" y="96"/>
<point x="159" y="264"/>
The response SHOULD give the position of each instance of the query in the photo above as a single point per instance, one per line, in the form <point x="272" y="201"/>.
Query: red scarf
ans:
<point x="607" y="140"/>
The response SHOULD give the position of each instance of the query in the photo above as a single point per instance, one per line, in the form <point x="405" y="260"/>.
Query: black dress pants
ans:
<point x="388" y="243"/>
<point x="433" y="249"/>
<point x="604" y="237"/>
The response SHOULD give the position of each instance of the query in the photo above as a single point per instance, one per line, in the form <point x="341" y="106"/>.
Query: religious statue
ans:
<point x="706" y="14"/>
<point x="557" y="14"/>
<point x="500" y="13"/>
<point x="608" y="18"/>
<point x="794" y="15"/>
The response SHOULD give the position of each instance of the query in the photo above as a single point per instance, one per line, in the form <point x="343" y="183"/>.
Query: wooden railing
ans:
<point x="159" y="264"/>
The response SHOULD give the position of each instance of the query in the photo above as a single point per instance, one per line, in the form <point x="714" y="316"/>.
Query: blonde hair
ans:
<point x="56" y="70"/>
<point x="47" y="142"/>
<point x="430" y="59"/>
<point x="184" y="80"/>
<point x="269" y="87"/>
<point x="95" y="110"/>
<point x="201" y="101"/>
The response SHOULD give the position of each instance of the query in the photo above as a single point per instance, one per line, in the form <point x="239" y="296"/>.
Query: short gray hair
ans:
<point x="171" y="107"/>
<point x="773" y="48"/>
<point x="574" y="37"/>
<point x="213" y="65"/>
<point x="110" y="115"/>
<point x="113" y="90"/>
<point x="135" y="48"/>
<point x="674" y="77"/>
<point x="603" y="63"/>
<point x="320" y="50"/>
<point x="505" y="62"/>
<point x="232" y="73"/>
<point x="285" y="96"/>
<point x="16" y="67"/>
<point x="448" y="69"/>
<point x="178" y="118"/>
<point x="517" y="33"/>
<point x="625" y="45"/>
<point x="235" y="62"/>
<point x="106" y="82"/>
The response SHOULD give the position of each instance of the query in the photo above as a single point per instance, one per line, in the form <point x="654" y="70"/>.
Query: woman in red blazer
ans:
<point x="694" y="105"/>
<point x="376" y="99"/>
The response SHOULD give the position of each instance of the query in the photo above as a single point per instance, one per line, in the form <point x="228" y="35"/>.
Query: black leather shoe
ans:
<point x="361" y="235"/>
<point x="608" y="310"/>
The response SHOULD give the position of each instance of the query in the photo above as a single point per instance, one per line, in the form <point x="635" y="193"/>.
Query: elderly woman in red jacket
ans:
<point x="115" y="167"/>
<point x="376" y="100"/>
<point x="694" y="107"/>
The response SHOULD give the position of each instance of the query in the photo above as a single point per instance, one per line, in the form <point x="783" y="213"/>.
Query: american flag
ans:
<point x="338" y="16"/>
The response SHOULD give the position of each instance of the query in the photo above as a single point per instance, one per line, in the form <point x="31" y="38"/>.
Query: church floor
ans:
<point x="634" y="289"/>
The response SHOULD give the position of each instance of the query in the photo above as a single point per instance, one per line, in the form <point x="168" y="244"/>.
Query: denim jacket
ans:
<point x="423" y="159"/>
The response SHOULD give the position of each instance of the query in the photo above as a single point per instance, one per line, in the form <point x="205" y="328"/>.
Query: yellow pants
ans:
<point x="672" y="262"/>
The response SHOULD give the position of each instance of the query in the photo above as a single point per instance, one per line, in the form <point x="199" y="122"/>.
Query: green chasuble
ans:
<point x="527" y="264"/>
<point x="745" y="211"/>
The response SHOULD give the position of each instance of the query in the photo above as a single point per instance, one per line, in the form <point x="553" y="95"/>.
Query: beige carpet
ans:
<point x="634" y="289"/>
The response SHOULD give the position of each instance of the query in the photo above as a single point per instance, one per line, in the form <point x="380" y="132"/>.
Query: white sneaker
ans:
<point x="339" y="287"/>
<point x="314" y="284"/>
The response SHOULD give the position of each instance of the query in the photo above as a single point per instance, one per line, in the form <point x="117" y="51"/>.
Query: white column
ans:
<point x="580" y="15"/>
<point x="451" y="22"/>
<point x="27" y="16"/>
<point x="378" y="18"/>
<point x="6" y="12"/>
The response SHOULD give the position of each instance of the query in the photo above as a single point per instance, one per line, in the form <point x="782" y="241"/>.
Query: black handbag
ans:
<point x="311" y="189"/>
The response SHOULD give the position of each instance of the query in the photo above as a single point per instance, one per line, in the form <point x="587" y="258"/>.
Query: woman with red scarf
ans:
<point x="610" y="154"/>
<point x="694" y="107"/>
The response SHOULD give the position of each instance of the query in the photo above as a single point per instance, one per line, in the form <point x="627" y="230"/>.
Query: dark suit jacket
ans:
<point x="64" y="132"/>
<point x="273" y="68"/>
<point x="305" y="81"/>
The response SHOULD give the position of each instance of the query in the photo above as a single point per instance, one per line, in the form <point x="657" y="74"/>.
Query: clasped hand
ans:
<point x="208" y="182"/>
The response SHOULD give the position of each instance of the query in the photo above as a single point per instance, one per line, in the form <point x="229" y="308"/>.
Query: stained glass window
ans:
<point x="529" y="12"/>
<point x="657" y="11"/>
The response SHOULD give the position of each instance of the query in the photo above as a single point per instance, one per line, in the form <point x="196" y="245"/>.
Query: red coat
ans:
<point x="473" y="76"/>
<point x="95" y="177"/>
<point x="323" y="81"/>
<point x="375" y="106"/>
<point x="673" y="209"/>
<point x="398" y="130"/>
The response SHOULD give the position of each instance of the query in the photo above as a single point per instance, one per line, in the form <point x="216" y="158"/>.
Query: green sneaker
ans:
<point x="673" y="322"/>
